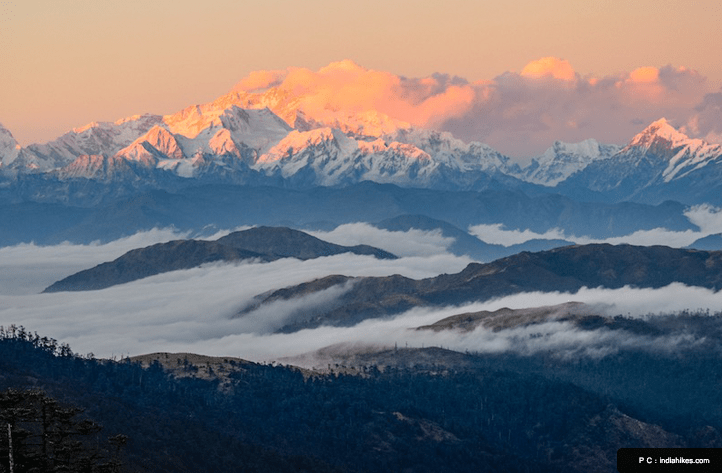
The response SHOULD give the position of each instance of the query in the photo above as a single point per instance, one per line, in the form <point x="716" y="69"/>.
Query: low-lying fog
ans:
<point x="193" y="310"/>
<point x="707" y="218"/>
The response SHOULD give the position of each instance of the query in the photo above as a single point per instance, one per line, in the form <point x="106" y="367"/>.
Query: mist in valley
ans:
<point x="199" y="310"/>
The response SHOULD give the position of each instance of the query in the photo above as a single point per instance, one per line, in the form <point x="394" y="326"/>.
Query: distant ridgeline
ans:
<point x="566" y="269"/>
<point x="450" y="412"/>
<point x="260" y="243"/>
<point x="208" y="208"/>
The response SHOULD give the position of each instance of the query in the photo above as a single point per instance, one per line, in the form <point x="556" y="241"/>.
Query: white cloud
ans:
<point x="706" y="122"/>
<point x="706" y="217"/>
<point x="496" y="234"/>
<point x="411" y="243"/>
<point x="520" y="114"/>
<point x="180" y="308"/>
<point x="562" y="338"/>
<point x="274" y="315"/>
<point x="194" y="310"/>
<point x="633" y="302"/>
<point x="29" y="268"/>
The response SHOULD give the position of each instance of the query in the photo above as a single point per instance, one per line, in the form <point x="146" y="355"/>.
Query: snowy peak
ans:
<point x="258" y="129"/>
<point x="201" y="134"/>
<point x="222" y="144"/>
<point x="141" y="152"/>
<point x="562" y="160"/>
<point x="409" y="151"/>
<point x="659" y="131"/>
<point x="94" y="167"/>
<point x="369" y="123"/>
<point x="97" y="138"/>
<point x="157" y="144"/>
<point x="196" y="126"/>
<point x="328" y="156"/>
<point x="9" y="147"/>
<point x="280" y="101"/>
<point x="681" y="154"/>
<point x="190" y="121"/>
<point x="305" y="111"/>
<point x="6" y="137"/>
<point x="647" y="166"/>
<point x="163" y="141"/>
<point x="589" y="147"/>
<point x="320" y="139"/>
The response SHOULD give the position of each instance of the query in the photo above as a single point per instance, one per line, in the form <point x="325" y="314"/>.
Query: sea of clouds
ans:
<point x="198" y="310"/>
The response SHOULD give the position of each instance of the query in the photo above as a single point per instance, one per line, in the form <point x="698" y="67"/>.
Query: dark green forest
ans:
<point x="508" y="413"/>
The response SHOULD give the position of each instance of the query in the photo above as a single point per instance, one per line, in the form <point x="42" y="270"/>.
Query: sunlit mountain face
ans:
<point x="223" y="142"/>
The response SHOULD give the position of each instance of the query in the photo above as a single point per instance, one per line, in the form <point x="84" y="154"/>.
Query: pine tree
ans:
<point x="40" y="435"/>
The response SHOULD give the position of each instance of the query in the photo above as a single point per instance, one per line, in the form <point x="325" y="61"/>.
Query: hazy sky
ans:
<point x="64" y="63"/>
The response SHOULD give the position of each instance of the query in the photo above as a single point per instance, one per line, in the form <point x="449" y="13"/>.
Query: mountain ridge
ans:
<point x="268" y="138"/>
<point x="105" y="213"/>
<point x="659" y="161"/>
<point x="565" y="269"/>
<point x="260" y="243"/>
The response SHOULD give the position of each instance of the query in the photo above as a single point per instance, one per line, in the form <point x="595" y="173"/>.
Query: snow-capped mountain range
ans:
<point x="268" y="137"/>
<point x="562" y="160"/>
<point x="9" y="148"/>
<point x="660" y="163"/>
<point x="225" y="137"/>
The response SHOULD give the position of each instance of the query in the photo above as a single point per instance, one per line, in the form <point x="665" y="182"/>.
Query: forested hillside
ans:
<point x="505" y="413"/>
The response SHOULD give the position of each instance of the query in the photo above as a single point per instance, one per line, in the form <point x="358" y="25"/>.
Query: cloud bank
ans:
<point x="307" y="347"/>
<point x="412" y="243"/>
<point x="194" y="308"/>
<point x="197" y="310"/>
<point x="28" y="268"/>
<point x="518" y="113"/>
<point x="708" y="218"/>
